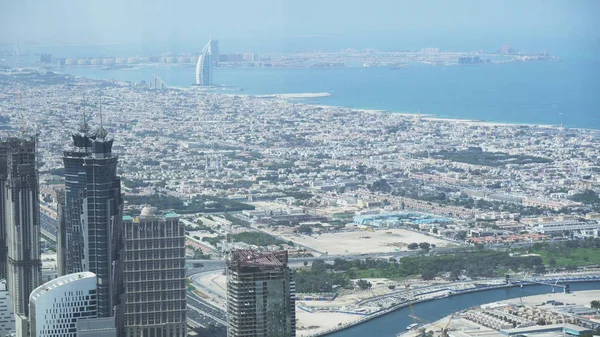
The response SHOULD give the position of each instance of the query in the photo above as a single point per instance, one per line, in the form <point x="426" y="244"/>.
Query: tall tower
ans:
<point x="154" y="260"/>
<point x="101" y="220"/>
<point x="22" y="212"/>
<point x="204" y="65"/>
<point x="90" y="220"/>
<point x="260" y="294"/>
<point x="3" y="175"/>
<point x="71" y="252"/>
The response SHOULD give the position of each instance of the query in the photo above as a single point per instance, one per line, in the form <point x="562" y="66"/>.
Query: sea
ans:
<point x="563" y="92"/>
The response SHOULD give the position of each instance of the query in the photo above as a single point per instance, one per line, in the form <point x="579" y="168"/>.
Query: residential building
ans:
<point x="260" y="294"/>
<point x="154" y="275"/>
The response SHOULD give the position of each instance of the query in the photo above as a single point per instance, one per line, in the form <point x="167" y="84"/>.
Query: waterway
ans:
<point x="395" y="322"/>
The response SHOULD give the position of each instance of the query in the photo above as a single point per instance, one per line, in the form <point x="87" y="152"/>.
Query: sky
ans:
<point x="60" y="22"/>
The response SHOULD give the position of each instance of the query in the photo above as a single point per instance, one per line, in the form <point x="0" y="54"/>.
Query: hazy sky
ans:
<point x="142" y="21"/>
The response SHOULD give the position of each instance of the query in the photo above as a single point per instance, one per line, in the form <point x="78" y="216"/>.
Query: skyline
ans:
<point x="161" y="22"/>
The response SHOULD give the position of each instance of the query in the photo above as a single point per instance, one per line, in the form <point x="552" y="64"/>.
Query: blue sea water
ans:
<point x="542" y="92"/>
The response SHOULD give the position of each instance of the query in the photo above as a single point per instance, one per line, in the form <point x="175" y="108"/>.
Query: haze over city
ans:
<point x="277" y="168"/>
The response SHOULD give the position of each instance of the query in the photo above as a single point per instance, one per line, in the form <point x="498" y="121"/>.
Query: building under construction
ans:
<point x="21" y="211"/>
<point x="260" y="295"/>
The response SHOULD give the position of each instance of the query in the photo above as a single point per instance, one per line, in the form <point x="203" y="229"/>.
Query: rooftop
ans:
<point x="59" y="282"/>
<point x="251" y="258"/>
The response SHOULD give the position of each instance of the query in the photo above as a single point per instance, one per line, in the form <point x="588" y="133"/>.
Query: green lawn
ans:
<point x="576" y="256"/>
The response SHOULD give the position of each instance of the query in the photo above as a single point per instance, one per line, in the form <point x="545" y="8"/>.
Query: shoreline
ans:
<point x="297" y="98"/>
<point x="404" y="305"/>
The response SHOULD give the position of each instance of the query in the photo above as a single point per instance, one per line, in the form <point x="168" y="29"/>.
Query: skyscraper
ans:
<point x="90" y="222"/>
<point x="260" y="295"/>
<point x="21" y="211"/>
<point x="154" y="274"/>
<point x="71" y="252"/>
<point x="3" y="175"/>
<point x="204" y="65"/>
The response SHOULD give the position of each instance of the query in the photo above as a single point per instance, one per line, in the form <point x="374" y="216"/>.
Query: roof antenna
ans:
<point x="101" y="131"/>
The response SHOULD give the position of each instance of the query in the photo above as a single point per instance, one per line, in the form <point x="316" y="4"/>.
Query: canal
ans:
<point x="395" y="322"/>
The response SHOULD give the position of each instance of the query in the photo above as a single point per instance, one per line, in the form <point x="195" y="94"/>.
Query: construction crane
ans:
<point x="416" y="318"/>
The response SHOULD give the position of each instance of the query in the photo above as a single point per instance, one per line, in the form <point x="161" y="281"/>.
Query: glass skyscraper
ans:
<point x="90" y="220"/>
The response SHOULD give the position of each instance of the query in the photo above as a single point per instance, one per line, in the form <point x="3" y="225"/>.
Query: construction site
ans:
<point x="260" y="294"/>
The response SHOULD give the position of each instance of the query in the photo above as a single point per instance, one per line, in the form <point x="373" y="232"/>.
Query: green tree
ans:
<point x="427" y="274"/>
<point x="363" y="284"/>
<point x="319" y="265"/>
<point x="424" y="245"/>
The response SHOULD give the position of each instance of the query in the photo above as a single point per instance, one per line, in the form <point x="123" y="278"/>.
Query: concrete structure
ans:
<point x="57" y="305"/>
<point x="204" y="66"/>
<point x="154" y="275"/>
<point x="3" y="175"/>
<point x="21" y="211"/>
<point x="91" y="217"/>
<point x="7" y="316"/>
<point x="96" y="327"/>
<point x="260" y="294"/>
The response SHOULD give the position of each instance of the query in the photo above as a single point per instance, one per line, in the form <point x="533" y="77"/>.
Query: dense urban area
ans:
<point x="376" y="210"/>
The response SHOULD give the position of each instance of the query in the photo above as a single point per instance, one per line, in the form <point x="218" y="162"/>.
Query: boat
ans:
<point x="412" y="326"/>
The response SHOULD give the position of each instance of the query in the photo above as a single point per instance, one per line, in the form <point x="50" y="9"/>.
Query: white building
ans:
<point x="57" y="306"/>
<point x="7" y="316"/>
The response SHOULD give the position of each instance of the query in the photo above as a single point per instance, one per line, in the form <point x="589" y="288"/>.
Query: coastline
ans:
<point x="297" y="97"/>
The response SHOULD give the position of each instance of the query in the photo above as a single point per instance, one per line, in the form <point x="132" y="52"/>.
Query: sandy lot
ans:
<point x="311" y="323"/>
<point x="577" y="297"/>
<point x="364" y="242"/>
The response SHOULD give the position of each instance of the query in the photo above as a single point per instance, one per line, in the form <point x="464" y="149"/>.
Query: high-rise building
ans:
<point x="154" y="275"/>
<point x="260" y="295"/>
<point x="70" y="236"/>
<point x="21" y="210"/>
<point x="3" y="176"/>
<point x="59" y="306"/>
<point x="90" y="220"/>
<point x="7" y="316"/>
<point x="204" y="65"/>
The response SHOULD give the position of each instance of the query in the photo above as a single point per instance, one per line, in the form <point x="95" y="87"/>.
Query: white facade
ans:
<point x="7" y="316"/>
<point x="56" y="306"/>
